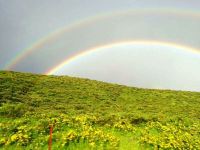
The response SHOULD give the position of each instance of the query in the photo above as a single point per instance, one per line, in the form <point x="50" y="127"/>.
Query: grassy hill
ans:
<point x="88" y="114"/>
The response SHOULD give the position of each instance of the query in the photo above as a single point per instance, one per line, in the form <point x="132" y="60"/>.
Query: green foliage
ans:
<point x="171" y="136"/>
<point x="13" y="110"/>
<point x="89" y="114"/>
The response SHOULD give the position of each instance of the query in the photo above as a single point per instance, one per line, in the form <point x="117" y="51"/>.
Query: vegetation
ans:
<point x="87" y="114"/>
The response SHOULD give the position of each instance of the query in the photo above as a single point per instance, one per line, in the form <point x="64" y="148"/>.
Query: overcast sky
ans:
<point x="74" y="26"/>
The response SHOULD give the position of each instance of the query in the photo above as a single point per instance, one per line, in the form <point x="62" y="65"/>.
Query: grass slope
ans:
<point x="88" y="114"/>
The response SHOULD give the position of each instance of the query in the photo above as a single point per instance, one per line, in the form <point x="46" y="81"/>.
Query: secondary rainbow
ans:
<point x="46" y="39"/>
<point x="98" y="48"/>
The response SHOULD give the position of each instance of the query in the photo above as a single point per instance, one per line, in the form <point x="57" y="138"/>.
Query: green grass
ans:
<point x="113" y="116"/>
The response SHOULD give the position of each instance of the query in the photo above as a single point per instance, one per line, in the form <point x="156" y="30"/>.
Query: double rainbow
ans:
<point x="27" y="51"/>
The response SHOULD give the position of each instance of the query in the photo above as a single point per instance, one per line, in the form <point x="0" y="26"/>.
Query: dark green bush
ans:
<point x="13" y="110"/>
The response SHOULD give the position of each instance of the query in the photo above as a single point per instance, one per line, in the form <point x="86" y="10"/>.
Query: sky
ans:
<point x="143" y="43"/>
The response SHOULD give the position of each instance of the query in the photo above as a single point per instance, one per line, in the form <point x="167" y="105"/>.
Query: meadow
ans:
<point x="93" y="115"/>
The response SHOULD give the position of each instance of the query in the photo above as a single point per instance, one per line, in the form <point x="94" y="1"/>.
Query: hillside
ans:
<point x="88" y="114"/>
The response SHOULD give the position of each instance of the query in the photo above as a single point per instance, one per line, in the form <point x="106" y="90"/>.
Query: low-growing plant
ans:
<point x="13" y="110"/>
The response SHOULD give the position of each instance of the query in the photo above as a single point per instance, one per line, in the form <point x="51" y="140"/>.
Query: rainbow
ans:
<point x="98" y="48"/>
<point x="53" y="35"/>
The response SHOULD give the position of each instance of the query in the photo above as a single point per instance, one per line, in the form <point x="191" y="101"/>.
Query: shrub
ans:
<point x="171" y="136"/>
<point x="13" y="110"/>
